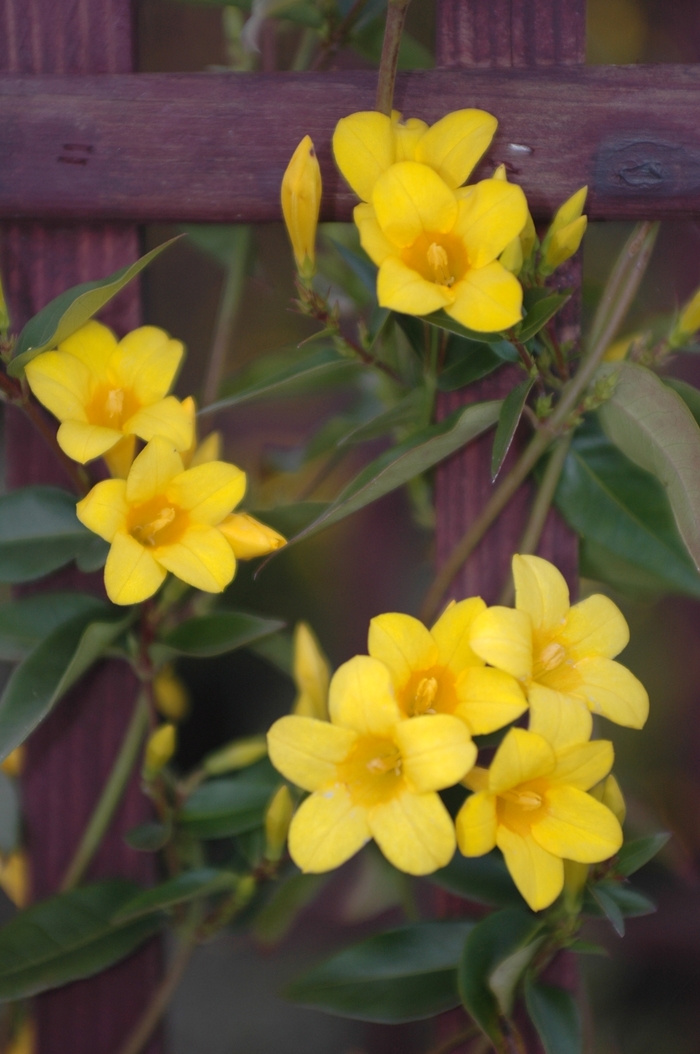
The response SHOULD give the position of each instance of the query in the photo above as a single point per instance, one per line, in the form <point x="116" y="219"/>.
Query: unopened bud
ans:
<point x="244" y="891"/>
<point x="500" y="174"/>
<point x="4" y="313"/>
<point x="301" y="203"/>
<point x="277" y="820"/>
<point x="571" y="210"/>
<point x="528" y="236"/>
<point x="14" y="877"/>
<point x="14" y="763"/>
<point x="249" y="537"/>
<point x="563" y="244"/>
<point x="688" y="323"/>
<point x="619" y="348"/>
<point x="237" y="755"/>
<point x="312" y="674"/>
<point x="612" y="797"/>
<point x="24" y="1039"/>
<point x="170" y="695"/>
<point x="512" y="257"/>
<point x="159" y="749"/>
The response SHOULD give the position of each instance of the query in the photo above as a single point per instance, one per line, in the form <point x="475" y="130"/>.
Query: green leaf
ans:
<point x="278" y="650"/>
<point x="397" y="466"/>
<point x="469" y="360"/>
<point x="484" y="879"/>
<point x="52" y="668"/>
<point x="72" y="309"/>
<point x="587" y="948"/>
<point x="402" y="975"/>
<point x="68" y="937"/>
<point x="25" y="622"/>
<point x="148" y="837"/>
<point x="492" y="941"/>
<point x="609" y="907"/>
<point x="629" y="902"/>
<point x="290" y="519"/>
<point x="598" y="563"/>
<point x="443" y="321"/>
<point x="288" y="900"/>
<point x="360" y="265"/>
<point x="222" y="808"/>
<point x="39" y="532"/>
<point x="609" y="500"/>
<point x="188" y="886"/>
<point x="215" y="634"/>
<point x="367" y="41"/>
<point x="635" y="854"/>
<point x="92" y="554"/>
<point x="689" y="394"/>
<point x="222" y="241"/>
<point x="290" y="379"/>
<point x="413" y="328"/>
<point x="652" y="425"/>
<point x="508" y="421"/>
<point x="408" y="411"/>
<point x="504" y="980"/>
<point x="9" y="814"/>
<point x="539" y="313"/>
<point x="556" y="1017"/>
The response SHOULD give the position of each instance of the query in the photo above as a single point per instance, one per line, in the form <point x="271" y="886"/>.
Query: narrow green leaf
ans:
<point x="653" y="427"/>
<point x="408" y="411"/>
<point x="39" y="532"/>
<point x="508" y="421"/>
<point x="588" y="948"/>
<point x="72" y="309"/>
<point x="290" y="519"/>
<point x="93" y="554"/>
<point x="277" y="649"/>
<point x="635" y="854"/>
<point x="222" y="808"/>
<point x="397" y="466"/>
<point x="401" y="975"/>
<point x="413" y="328"/>
<point x="689" y="394"/>
<point x="467" y="361"/>
<point x="9" y="814"/>
<point x="52" y="668"/>
<point x="148" y="837"/>
<point x="222" y="241"/>
<point x="631" y="902"/>
<point x="539" y="314"/>
<point x="25" y="622"/>
<point x="68" y="937"/>
<point x="556" y="1017"/>
<point x="609" y="907"/>
<point x="360" y="265"/>
<point x="504" y="980"/>
<point x="188" y="886"/>
<point x="222" y="631"/>
<point x="484" y="879"/>
<point x="288" y="900"/>
<point x="443" y="321"/>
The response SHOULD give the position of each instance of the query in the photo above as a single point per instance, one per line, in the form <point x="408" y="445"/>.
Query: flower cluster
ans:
<point x="402" y="720"/>
<point x="169" y="508"/>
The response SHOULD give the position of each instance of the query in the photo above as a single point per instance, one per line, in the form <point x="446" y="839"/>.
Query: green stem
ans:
<point x="395" y="18"/>
<point x="226" y="317"/>
<point x="631" y="250"/>
<point x="111" y="795"/>
<point x="338" y="37"/>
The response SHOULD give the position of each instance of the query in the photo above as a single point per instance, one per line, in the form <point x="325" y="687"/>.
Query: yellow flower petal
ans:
<point x="375" y="244"/>
<point x="146" y="361"/>
<point x="208" y="450"/>
<point x="415" y="832"/>
<point x="477" y="779"/>
<point x="613" y="799"/>
<point x="361" y="697"/>
<point x="503" y="638"/>
<point x="561" y="719"/>
<point x="93" y="344"/>
<point x="312" y="673"/>
<point x="437" y="751"/>
<point x="104" y="509"/>
<point x="488" y="699"/>
<point x="476" y="825"/>
<point x="488" y="299"/>
<point x="451" y="634"/>
<point x="489" y="219"/>
<point x="406" y="136"/>
<point x="209" y="492"/>
<point x="327" y="830"/>
<point x="363" y="147"/>
<point x="202" y="558"/>
<point x="455" y="144"/>
<point x="61" y="384"/>
<point x="538" y="874"/>
<point x="570" y="210"/>
<point x="120" y="457"/>
<point x="541" y="591"/>
<point x="249" y="537"/>
<point x="564" y="243"/>
<point x="167" y="418"/>
<point x="152" y="471"/>
<point x="402" y="644"/>
<point x="595" y="626"/>
<point x="131" y="573"/>
<point x="610" y="689"/>
<point x="577" y="827"/>
<point x="84" y="442"/>
<point x="522" y="756"/>
<point x="307" y="751"/>
<point x="410" y="198"/>
<point x="403" y="289"/>
<point x="584" y="765"/>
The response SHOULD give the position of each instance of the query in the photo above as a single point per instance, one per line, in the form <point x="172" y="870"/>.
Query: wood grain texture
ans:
<point x="206" y="148"/>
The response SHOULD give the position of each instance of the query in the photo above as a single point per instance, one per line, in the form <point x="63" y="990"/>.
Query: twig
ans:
<point x="632" y="248"/>
<point x="454" y="1040"/>
<point x="226" y="316"/>
<point x="395" y="18"/>
<point x="338" y="37"/>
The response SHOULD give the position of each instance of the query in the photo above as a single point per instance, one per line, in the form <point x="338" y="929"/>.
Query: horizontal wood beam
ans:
<point x="213" y="147"/>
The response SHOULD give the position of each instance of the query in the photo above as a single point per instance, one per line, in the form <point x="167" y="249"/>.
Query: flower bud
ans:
<point x="170" y="695"/>
<point x="301" y="202"/>
<point x="277" y="820"/>
<point x="249" y="537"/>
<point x="24" y="1039"/>
<point x="563" y="244"/>
<point x="159" y="749"/>
<point x="312" y="675"/>
<point x="688" y="322"/>
<point x="512" y="256"/>
<point x="571" y="210"/>
<point x="612" y="797"/>
<point x="14" y="763"/>
<point x="237" y="755"/>
<point x="619" y="348"/>
<point x="4" y="313"/>
<point x="14" y="877"/>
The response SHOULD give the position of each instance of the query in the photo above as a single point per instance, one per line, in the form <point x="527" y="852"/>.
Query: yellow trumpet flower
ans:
<point x="164" y="518"/>
<point x="312" y="674"/>
<point x="301" y="202"/>
<point x="371" y="774"/>
<point x="532" y="804"/>
<point x="105" y="393"/>
<point x="565" y="233"/>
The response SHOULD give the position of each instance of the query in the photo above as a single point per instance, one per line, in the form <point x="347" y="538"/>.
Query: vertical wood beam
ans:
<point x="69" y="757"/>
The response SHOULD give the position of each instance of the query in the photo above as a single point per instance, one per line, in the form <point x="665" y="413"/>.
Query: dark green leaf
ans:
<point x="587" y="948"/>
<point x="148" y="837"/>
<point x="68" y="937"/>
<point x="360" y="265"/>
<point x="290" y="519"/>
<point x="413" y="329"/>
<point x="631" y="902"/>
<point x="39" y="532"/>
<point x="188" y="886"/>
<point x="492" y="941"/>
<point x="225" y="242"/>
<point x="556" y="1017"/>
<point x="539" y="314"/>
<point x="484" y="879"/>
<point x="689" y="394"/>
<point x="92" y="554"/>
<point x="402" y="975"/>
<point x="25" y="622"/>
<point x="72" y="309"/>
<point x="609" y="907"/>
<point x="634" y="855"/>
<point x="222" y="631"/>
<point x="443" y="321"/>
<point x="508" y="420"/>
<point x="225" y="807"/>
<point x="52" y="668"/>
<point x="408" y="411"/>
<point x="597" y="562"/>
<point x="467" y="361"/>
<point x="9" y="814"/>
<point x="288" y="900"/>
<point x="277" y="649"/>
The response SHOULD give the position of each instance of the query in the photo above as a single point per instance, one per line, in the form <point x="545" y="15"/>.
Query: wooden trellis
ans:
<point x="88" y="149"/>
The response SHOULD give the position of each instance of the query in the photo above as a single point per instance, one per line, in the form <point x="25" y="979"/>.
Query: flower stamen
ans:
<point x="439" y="264"/>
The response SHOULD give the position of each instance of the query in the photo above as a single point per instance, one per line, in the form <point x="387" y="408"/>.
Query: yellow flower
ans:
<point x="520" y="249"/>
<point x="301" y="202"/>
<point x="532" y="804"/>
<point x="619" y="348"/>
<point x="688" y="322"/>
<point x="562" y="655"/>
<point x="14" y="762"/>
<point x="170" y="694"/>
<point x="14" y="877"/>
<point x="106" y="393"/>
<point x="24" y="1039"/>
<point x="278" y="817"/>
<point x="160" y="748"/>
<point x="312" y="674"/>
<point x="163" y="518"/>
<point x="372" y="774"/>
<point x="199" y="453"/>
<point x="565" y="233"/>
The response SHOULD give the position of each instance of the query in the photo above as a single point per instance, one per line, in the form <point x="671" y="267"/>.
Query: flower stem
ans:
<point x="111" y="795"/>
<point x="226" y="316"/>
<point x="395" y="18"/>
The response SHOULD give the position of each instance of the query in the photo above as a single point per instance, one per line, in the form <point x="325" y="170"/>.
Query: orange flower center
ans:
<point x="111" y="407"/>
<point x="373" y="771"/>
<point x="521" y="806"/>
<point x="429" y="692"/>
<point x="157" y="522"/>
<point x="439" y="258"/>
